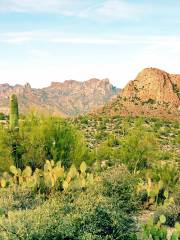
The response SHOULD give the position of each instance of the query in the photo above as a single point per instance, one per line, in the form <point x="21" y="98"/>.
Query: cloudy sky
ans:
<point x="54" y="40"/>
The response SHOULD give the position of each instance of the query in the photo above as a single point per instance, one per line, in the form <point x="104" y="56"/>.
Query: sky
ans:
<point x="55" y="40"/>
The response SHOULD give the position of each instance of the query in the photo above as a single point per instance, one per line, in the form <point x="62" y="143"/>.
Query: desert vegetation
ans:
<point x="94" y="177"/>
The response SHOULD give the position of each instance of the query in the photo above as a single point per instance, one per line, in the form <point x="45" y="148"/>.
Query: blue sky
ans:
<point x="54" y="40"/>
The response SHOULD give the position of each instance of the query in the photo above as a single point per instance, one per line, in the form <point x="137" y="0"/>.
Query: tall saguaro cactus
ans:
<point x="14" y="119"/>
<point x="14" y="112"/>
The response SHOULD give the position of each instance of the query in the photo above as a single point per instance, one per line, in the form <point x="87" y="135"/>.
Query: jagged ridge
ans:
<point x="68" y="98"/>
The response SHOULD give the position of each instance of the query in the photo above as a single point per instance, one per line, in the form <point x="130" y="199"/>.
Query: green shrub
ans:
<point x="3" y="116"/>
<point x="5" y="150"/>
<point x="40" y="138"/>
<point x="13" y="199"/>
<point x="137" y="149"/>
<point x="95" y="213"/>
<point x="168" y="173"/>
<point x="51" y="138"/>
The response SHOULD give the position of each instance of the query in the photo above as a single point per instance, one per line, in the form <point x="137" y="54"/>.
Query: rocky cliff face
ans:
<point x="153" y="93"/>
<point x="68" y="98"/>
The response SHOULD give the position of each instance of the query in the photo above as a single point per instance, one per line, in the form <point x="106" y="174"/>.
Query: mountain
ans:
<point x="69" y="98"/>
<point x="153" y="93"/>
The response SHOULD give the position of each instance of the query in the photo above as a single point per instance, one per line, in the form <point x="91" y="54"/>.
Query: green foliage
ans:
<point x="137" y="149"/>
<point x="156" y="193"/>
<point x="51" y="138"/>
<point x="171" y="213"/>
<point x="3" y="116"/>
<point x="14" y="112"/>
<point x="94" y="213"/>
<point x="52" y="192"/>
<point x="5" y="150"/>
<point x="104" y="154"/>
<point x="52" y="177"/>
<point x="158" y="231"/>
<point x="18" y="199"/>
<point x="39" y="138"/>
<point x="120" y="186"/>
<point x="166" y="172"/>
<point x="107" y="152"/>
<point x="160" y="183"/>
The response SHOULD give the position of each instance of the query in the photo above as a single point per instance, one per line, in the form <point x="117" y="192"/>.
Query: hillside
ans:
<point x="153" y="93"/>
<point x="68" y="98"/>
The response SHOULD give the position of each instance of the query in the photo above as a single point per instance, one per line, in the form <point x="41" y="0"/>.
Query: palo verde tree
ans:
<point x="138" y="148"/>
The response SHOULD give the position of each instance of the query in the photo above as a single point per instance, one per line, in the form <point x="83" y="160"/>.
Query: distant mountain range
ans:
<point x="69" y="98"/>
<point x="153" y="93"/>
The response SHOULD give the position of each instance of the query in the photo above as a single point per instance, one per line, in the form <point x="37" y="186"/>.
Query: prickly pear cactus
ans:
<point x="51" y="176"/>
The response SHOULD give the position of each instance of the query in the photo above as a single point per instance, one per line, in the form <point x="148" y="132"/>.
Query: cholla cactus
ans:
<point x="14" y="112"/>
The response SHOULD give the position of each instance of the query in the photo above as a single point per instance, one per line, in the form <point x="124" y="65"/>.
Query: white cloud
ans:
<point x="55" y="37"/>
<point x="16" y="40"/>
<point x="104" y="9"/>
<point x="114" y="9"/>
<point x="22" y="37"/>
<point x="65" y="7"/>
<point x="82" y="40"/>
<point x="101" y="10"/>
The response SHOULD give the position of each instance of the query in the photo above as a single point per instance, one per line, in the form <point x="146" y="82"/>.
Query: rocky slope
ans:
<point x="153" y="93"/>
<point x="68" y="98"/>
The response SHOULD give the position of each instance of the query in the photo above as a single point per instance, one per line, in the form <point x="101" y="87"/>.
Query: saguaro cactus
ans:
<point x="13" y="122"/>
<point x="14" y="112"/>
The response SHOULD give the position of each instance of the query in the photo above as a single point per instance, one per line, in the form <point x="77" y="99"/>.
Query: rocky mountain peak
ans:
<point x="27" y="86"/>
<point x="155" y="84"/>
<point x="153" y="92"/>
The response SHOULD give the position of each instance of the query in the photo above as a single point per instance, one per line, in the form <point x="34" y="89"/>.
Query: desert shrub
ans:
<point x="55" y="140"/>
<point x="97" y="213"/>
<point x="40" y="138"/>
<point x="137" y="149"/>
<point x="19" y="199"/>
<point x="5" y="150"/>
<point x="105" y="153"/>
<point x="121" y="186"/>
<point x="165" y="155"/>
<point x="176" y="195"/>
<point x="84" y="119"/>
<point x="168" y="173"/>
<point x="112" y="140"/>
<point x="3" y="116"/>
<point x="177" y="139"/>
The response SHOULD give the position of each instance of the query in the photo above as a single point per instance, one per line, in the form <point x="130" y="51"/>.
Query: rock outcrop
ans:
<point x="153" y="93"/>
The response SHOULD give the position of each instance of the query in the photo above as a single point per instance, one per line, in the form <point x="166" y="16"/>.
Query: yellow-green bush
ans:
<point x="79" y="214"/>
